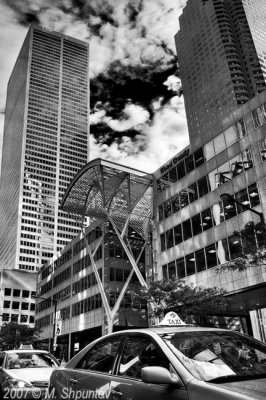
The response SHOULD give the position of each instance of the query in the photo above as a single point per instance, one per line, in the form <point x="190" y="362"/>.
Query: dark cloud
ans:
<point x="140" y="84"/>
<point x="106" y="135"/>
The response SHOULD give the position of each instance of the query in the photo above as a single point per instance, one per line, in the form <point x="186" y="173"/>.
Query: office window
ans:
<point x="183" y="195"/>
<point x="175" y="203"/>
<point x="253" y="195"/>
<point x="235" y="247"/>
<point x="203" y="186"/>
<point x="25" y="293"/>
<point x="15" y="305"/>
<point x="5" y="317"/>
<point x="14" y="317"/>
<point x="200" y="260"/>
<point x="7" y="292"/>
<point x="196" y="224"/>
<point x="6" y="304"/>
<point x="24" y="306"/>
<point x="167" y="208"/>
<point x="16" y="292"/>
<point x="192" y="192"/>
<point x="242" y="197"/>
<point x="222" y="251"/>
<point x="169" y="238"/>
<point x="206" y="217"/>
<point x="165" y="273"/>
<point x="189" y="163"/>
<point x="178" y="238"/>
<point x="163" y="243"/>
<point x="31" y="319"/>
<point x="211" y="259"/>
<point x="181" y="170"/>
<point x="173" y="175"/>
<point x="23" y="319"/>
<point x="180" y="267"/>
<point x="262" y="147"/>
<point x="199" y="157"/>
<point x="190" y="264"/>
<point x="229" y="207"/>
<point x="171" y="270"/>
<point x="187" y="232"/>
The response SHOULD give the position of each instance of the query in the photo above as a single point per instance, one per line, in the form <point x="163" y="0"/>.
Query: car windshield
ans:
<point x="30" y="360"/>
<point x="219" y="356"/>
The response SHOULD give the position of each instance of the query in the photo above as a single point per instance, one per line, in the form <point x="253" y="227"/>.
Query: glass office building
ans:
<point x="200" y="228"/>
<point x="45" y="143"/>
<point x="221" y="49"/>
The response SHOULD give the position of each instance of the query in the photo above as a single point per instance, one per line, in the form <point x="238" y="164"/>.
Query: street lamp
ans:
<point x="55" y="311"/>
<point x="260" y="214"/>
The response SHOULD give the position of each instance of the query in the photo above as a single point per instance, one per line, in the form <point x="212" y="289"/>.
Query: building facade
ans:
<point x="199" y="228"/>
<point x="222" y="59"/>
<point x="17" y="297"/>
<point x="45" y="143"/>
<point x="90" y="284"/>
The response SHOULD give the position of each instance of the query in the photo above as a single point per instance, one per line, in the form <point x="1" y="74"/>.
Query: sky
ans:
<point x="137" y="117"/>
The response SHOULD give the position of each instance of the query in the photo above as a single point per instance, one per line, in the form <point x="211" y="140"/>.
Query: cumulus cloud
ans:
<point x="136" y="117"/>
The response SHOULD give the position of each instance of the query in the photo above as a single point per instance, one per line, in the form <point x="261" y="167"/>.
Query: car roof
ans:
<point x="24" y="351"/>
<point x="159" y="329"/>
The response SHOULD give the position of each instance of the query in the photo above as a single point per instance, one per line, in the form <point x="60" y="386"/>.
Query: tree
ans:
<point x="13" y="334"/>
<point x="252" y="253"/>
<point x="189" y="301"/>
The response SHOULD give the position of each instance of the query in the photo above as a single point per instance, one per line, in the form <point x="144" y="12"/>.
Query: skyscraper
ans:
<point x="221" y="48"/>
<point x="45" y="144"/>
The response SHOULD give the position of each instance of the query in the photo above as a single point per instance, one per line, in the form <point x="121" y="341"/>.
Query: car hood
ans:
<point x="255" y="388"/>
<point x="31" y="374"/>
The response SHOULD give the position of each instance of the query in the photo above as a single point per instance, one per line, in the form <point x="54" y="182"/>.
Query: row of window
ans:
<point x="209" y="150"/>
<point x="16" y="305"/>
<point x="19" y="293"/>
<point x="86" y="305"/>
<point x="211" y="216"/>
<point x="15" y="318"/>
<point x="86" y="282"/>
<point x="226" y="172"/>
<point x="215" y="254"/>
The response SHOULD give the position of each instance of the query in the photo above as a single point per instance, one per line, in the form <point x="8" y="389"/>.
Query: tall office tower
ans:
<point x="45" y="144"/>
<point x="221" y="48"/>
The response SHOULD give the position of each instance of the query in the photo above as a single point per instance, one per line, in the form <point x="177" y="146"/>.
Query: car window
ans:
<point x="30" y="360"/>
<point x="101" y="357"/>
<point x="140" y="352"/>
<point x="215" y="355"/>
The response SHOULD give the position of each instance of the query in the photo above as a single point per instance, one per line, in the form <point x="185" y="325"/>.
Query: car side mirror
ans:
<point x="159" y="375"/>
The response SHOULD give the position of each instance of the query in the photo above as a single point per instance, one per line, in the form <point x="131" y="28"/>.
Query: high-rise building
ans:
<point x="45" y="143"/>
<point x="222" y="59"/>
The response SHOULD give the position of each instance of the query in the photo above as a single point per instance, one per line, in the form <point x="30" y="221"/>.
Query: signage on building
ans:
<point x="174" y="161"/>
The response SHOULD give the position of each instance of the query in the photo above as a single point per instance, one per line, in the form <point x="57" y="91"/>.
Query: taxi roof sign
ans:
<point x="26" y="347"/>
<point x="171" y="319"/>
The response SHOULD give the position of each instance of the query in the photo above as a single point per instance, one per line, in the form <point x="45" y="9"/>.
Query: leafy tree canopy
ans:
<point x="13" y="334"/>
<point x="187" y="300"/>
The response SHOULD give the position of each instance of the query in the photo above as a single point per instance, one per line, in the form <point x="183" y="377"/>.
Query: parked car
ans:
<point x="25" y="374"/>
<point x="168" y="361"/>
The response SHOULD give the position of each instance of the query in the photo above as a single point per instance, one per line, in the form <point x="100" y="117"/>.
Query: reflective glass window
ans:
<point x="242" y="198"/>
<point x="203" y="186"/>
<point x="213" y="179"/>
<point x="222" y="251"/>
<point x="165" y="272"/>
<point x="253" y="195"/>
<point x="180" y="170"/>
<point x="241" y="128"/>
<point x="208" y="150"/>
<point x="180" y="267"/>
<point x="229" y="207"/>
<point x="196" y="224"/>
<point x="160" y="210"/>
<point x="187" y="232"/>
<point x="206" y="218"/>
<point x="183" y="195"/>
<point x="218" y="213"/>
<point x="211" y="259"/>
<point x="262" y="147"/>
<point x="200" y="260"/>
<point x="236" y="165"/>
<point x="247" y="159"/>
<point x="169" y="238"/>
<point x="173" y="175"/>
<point x="199" y="157"/>
<point x="171" y="270"/>
<point x="219" y="143"/>
<point x="178" y="234"/>
<point x="192" y="192"/>
<point x="235" y="247"/>
<point x="175" y="203"/>
<point x="223" y="174"/>
<point x="189" y="163"/>
<point x="163" y="246"/>
<point x="231" y="135"/>
<point x="190" y="264"/>
<point x="167" y="208"/>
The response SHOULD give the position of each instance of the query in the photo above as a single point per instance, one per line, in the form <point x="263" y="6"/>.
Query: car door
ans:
<point x="140" y="351"/>
<point x="91" y="378"/>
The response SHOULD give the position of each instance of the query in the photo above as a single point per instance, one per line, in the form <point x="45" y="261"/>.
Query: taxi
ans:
<point x="169" y="361"/>
<point x="25" y="373"/>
